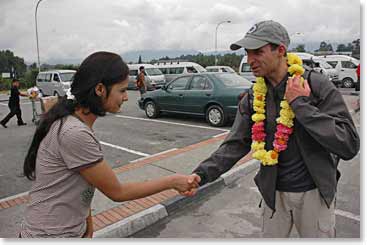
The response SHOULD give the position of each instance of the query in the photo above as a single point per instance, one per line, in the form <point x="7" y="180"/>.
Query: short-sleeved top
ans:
<point x="60" y="198"/>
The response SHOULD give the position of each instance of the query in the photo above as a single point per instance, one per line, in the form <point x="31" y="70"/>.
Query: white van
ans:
<point x="346" y="67"/>
<point x="55" y="82"/>
<point x="245" y="70"/>
<point x="153" y="76"/>
<point x="319" y="64"/>
<point x="173" y="69"/>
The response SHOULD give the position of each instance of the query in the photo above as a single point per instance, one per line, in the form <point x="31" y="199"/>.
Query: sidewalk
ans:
<point x="112" y="219"/>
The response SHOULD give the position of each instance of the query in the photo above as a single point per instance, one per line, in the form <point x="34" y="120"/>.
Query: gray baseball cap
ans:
<point x="261" y="34"/>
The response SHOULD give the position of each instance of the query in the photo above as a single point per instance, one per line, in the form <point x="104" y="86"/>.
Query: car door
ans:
<point x="173" y="97"/>
<point x="348" y="69"/>
<point x="198" y="95"/>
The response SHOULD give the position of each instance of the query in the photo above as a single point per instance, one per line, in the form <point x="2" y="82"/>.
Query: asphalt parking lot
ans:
<point x="125" y="137"/>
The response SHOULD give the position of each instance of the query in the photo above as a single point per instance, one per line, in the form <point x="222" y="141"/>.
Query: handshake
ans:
<point x="186" y="185"/>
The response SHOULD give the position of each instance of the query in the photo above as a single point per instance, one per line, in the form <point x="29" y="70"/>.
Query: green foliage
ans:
<point x="9" y="63"/>
<point x="300" y="48"/>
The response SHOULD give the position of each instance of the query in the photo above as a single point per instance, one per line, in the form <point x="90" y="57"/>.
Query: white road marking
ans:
<point x="173" y="123"/>
<point x="348" y="215"/>
<point x="125" y="149"/>
<point x="219" y="135"/>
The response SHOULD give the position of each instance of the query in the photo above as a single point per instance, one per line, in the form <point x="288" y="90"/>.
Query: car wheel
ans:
<point x="215" y="116"/>
<point x="347" y="82"/>
<point x="56" y="94"/>
<point x="151" y="109"/>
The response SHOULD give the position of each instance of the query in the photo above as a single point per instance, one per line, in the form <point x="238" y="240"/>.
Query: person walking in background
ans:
<point x="14" y="104"/>
<point x="65" y="159"/>
<point x="140" y="81"/>
<point x="298" y="126"/>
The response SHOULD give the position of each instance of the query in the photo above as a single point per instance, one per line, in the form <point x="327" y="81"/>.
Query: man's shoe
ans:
<point x="2" y="124"/>
<point x="22" y="124"/>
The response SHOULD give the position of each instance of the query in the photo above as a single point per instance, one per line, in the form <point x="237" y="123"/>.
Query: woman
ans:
<point x="65" y="159"/>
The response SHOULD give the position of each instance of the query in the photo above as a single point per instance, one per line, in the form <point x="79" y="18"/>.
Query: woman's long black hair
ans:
<point x="100" y="67"/>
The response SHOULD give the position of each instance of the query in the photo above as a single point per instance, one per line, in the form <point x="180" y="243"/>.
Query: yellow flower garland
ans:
<point x="284" y="121"/>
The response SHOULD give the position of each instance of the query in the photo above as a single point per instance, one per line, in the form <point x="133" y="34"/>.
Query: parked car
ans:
<point x="173" y="69"/>
<point x="219" y="69"/>
<point x="54" y="82"/>
<point x="245" y="70"/>
<point x="153" y="76"/>
<point x="346" y="67"/>
<point x="320" y="65"/>
<point x="213" y="95"/>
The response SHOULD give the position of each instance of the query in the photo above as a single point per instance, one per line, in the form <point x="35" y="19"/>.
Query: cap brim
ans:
<point x="248" y="43"/>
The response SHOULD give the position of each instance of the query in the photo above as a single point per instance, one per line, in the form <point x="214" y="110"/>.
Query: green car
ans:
<point x="213" y="95"/>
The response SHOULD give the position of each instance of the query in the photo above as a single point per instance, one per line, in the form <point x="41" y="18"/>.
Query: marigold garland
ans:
<point x="284" y="121"/>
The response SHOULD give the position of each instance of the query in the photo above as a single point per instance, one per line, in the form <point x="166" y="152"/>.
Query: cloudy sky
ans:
<point x="72" y="29"/>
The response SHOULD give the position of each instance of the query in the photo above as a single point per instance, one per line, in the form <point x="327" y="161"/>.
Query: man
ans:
<point x="140" y="81"/>
<point x="300" y="189"/>
<point x="14" y="105"/>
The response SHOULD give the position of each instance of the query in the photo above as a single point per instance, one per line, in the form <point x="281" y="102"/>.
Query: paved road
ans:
<point x="233" y="212"/>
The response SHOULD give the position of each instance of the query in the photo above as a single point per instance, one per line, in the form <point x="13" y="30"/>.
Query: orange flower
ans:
<point x="260" y="97"/>
<point x="274" y="155"/>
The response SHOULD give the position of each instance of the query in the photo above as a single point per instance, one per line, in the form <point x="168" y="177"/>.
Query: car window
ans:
<point x="245" y="67"/>
<point x="233" y="80"/>
<point x="200" y="69"/>
<point x="200" y="83"/>
<point x="67" y="76"/>
<point x="41" y="77"/>
<point x="191" y="69"/>
<point x="56" y="78"/>
<point x="133" y="73"/>
<point x="164" y="70"/>
<point x="332" y="63"/>
<point x="179" y="83"/>
<point x="348" y="65"/>
<point x="176" y="70"/>
<point x="212" y="70"/>
<point x="153" y="71"/>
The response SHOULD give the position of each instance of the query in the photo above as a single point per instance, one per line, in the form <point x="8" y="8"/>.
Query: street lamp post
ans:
<point x="216" y="38"/>
<point x="38" y="53"/>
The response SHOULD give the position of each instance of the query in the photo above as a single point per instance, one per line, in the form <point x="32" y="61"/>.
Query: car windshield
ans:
<point x="233" y="80"/>
<point x="153" y="71"/>
<point x="200" y="69"/>
<point x="229" y="69"/>
<point x="67" y="77"/>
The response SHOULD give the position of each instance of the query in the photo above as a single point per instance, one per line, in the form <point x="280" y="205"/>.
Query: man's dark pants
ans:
<point x="14" y="110"/>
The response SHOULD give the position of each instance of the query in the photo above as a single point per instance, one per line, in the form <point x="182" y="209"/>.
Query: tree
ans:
<point x="11" y="63"/>
<point x="300" y="48"/>
<point x="356" y="48"/>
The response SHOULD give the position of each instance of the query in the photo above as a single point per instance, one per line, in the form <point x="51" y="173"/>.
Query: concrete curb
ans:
<point x="145" y="218"/>
<point x="133" y="224"/>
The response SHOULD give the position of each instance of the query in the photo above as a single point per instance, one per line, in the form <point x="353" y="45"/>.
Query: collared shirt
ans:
<point x="292" y="174"/>
<point x="14" y="96"/>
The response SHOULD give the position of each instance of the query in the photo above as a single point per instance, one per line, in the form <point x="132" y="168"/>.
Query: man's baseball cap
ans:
<point x="263" y="33"/>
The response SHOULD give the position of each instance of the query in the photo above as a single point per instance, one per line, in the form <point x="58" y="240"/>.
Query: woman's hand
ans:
<point x="186" y="184"/>
<point x="89" y="232"/>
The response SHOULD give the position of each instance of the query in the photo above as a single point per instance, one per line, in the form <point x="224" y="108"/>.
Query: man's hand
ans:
<point x="193" y="178"/>
<point x="294" y="89"/>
